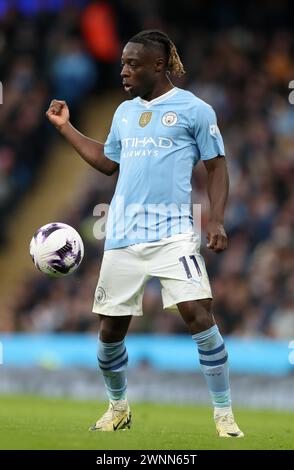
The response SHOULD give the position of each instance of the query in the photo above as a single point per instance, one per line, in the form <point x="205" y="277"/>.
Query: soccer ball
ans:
<point x="57" y="249"/>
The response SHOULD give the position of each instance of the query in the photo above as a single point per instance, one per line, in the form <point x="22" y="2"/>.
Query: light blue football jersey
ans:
<point x="157" y="143"/>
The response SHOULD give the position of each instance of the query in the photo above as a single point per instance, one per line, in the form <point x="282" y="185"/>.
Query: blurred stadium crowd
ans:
<point x="238" y="61"/>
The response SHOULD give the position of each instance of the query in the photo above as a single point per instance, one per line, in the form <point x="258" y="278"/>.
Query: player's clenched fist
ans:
<point x="58" y="113"/>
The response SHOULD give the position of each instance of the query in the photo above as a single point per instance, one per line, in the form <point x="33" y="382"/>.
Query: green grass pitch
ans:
<point x="29" y="422"/>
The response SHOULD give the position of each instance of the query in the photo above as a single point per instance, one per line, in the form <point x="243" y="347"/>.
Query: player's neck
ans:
<point x="158" y="90"/>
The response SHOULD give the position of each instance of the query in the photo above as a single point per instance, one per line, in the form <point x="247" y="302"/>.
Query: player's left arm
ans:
<point x="218" y="190"/>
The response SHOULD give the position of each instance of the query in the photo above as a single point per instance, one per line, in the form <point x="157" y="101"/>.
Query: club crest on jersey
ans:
<point x="169" y="119"/>
<point x="145" y="118"/>
<point x="100" y="295"/>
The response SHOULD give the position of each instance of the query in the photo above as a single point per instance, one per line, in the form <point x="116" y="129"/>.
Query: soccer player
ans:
<point x="155" y="140"/>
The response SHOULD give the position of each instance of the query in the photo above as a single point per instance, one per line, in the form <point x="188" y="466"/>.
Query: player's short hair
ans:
<point x="153" y="37"/>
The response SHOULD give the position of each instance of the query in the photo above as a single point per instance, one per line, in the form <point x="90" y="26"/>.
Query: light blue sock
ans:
<point x="213" y="359"/>
<point x="113" y="361"/>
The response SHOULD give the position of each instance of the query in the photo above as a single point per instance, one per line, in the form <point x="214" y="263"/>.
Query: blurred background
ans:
<point x="240" y="59"/>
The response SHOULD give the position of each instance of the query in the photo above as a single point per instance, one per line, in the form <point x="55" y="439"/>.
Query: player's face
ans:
<point x="141" y="69"/>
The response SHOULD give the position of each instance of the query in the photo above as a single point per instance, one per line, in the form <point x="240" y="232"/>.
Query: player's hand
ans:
<point x="217" y="240"/>
<point x="58" y="113"/>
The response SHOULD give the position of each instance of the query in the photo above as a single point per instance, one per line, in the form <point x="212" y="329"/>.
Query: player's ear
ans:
<point x="160" y="64"/>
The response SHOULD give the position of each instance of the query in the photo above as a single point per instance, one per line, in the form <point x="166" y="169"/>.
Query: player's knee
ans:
<point x="203" y="320"/>
<point x="197" y="314"/>
<point x="113" y="329"/>
<point x="109" y="335"/>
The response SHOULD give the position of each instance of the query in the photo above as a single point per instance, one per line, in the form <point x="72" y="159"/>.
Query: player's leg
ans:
<point x="197" y="314"/>
<point x="213" y="359"/>
<point x="113" y="361"/>
<point x="112" y="355"/>
<point x="186" y="286"/>
<point x="118" y="297"/>
<point x="113" y="329"/>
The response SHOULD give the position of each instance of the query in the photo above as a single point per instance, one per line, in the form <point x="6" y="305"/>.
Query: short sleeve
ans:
<point x="112" y="146"/>
<point x="207" y="134"/>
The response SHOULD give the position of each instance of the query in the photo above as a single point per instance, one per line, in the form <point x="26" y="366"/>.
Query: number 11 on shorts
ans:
<point x="183" y="260"/>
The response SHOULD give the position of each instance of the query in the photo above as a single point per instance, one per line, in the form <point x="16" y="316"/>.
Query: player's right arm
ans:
<point x="90" y="150"/>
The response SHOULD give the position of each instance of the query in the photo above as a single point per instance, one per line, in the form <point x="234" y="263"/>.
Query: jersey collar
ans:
<point x="159" y="99"/>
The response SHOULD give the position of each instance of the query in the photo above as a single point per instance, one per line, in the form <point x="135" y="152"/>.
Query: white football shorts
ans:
<point x="175" y="261"/>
